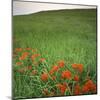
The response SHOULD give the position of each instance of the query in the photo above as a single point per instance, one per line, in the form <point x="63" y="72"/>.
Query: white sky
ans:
<point x="21" y="8"/>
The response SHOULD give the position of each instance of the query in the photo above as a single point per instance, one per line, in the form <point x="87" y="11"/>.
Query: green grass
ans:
<point x="68" y="35"/>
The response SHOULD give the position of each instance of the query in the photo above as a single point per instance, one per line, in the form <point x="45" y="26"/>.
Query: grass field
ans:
<point x="65" y="39"/>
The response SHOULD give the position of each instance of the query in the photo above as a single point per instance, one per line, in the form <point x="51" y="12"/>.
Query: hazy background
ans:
<point x="21" y="8"/>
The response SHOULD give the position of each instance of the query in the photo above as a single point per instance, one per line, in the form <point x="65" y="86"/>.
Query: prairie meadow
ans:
<point x="54" y="53"/>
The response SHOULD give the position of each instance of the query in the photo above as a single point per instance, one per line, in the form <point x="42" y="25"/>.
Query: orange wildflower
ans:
<point x="85" y="89"/>
<point x="44" y="77"/>
<point x="76" y="78"/>
<point x="66" y="74"/>
<point x="19" y="63"/>
<point x="77" y="89"/>
<point x="61" y="63"/>
<point x="34" y="56"/>
<point x="74" y="65"/>
<point x="54" y="69"/>
<point x="22" y="58"/>
<point x="89" y="86"/>
<point x="62" y="87"/>
<point x="24" y="55"/>
<point x="18" y="49"/>
<point x="78" y="67"/>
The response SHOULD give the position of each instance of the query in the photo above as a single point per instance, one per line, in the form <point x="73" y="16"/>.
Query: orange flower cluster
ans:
<point x="89" y="86"/>
<point x="34" y="56"/>
<point x="78" y="67"/>
<point x="59" y="73"/>
<point x="76" y="78"/>
<point x="54" y="69"/>
<point x="77" y="89"/>
<point x="24" y="55"/>
<point x="62" y="87"/>
<point x="66" y="74"/>
<point x="61" y="63"/>
<point x="44" y="77"/>
<point x="18" y="49"/>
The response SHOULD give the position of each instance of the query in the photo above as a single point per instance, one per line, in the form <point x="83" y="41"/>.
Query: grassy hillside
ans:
<point x="68" y="35"/>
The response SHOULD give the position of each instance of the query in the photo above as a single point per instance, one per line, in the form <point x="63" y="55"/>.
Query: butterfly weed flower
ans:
<point x="77" y="89"/>
<point x="89" y="86"/>
<point x="76" y="78"/>
<point x="34" y="56"/>
<point x="78" y="67"/>
<point x="74" y="65"/>
<point x="54" y="69"/>
<point x="66" y="74"/>
<point x="44" y="77"/>
<point x="24" y="55"/>
<point x="62" y="87"/>
<point x="61" y="63"/>
<point x="18" y="49"/>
